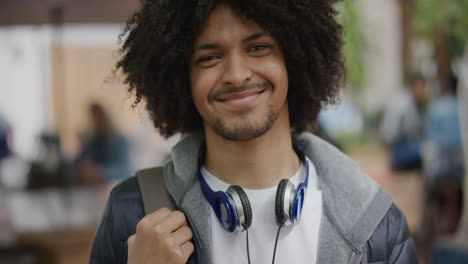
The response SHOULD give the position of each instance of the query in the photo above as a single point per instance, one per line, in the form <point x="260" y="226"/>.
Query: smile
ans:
<point x="241" y="99"/>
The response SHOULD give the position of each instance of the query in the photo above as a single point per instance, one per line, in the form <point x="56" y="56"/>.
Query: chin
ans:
<point x="244" y="129"/>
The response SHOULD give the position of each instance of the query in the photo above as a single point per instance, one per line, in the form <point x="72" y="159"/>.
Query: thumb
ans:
<point x="130" y="240"/>
<point x="130" y="243"/>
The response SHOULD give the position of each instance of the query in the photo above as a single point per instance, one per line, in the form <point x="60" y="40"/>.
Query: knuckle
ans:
<point x="163" y="210"/>
<point x="158" y="230"/>
<point x="191" y="249"/>
<point x="187" y="231"/>
<point x="180" y="216"/>
<point x="142" y="225"/>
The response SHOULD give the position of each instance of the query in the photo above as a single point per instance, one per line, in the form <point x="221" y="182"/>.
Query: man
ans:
<point x="402" y="125"/>
<point x="238" y="77"/>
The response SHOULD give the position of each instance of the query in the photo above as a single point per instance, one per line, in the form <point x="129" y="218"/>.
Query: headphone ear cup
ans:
<point x="281" y="215"/>
<point x="298" y="203"/>
<point x="245" y="205"/>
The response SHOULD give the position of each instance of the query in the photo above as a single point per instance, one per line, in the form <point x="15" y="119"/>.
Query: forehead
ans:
<point x="224" y="23"/>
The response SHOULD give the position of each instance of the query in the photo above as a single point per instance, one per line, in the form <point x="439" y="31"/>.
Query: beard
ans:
<point x="245" y="129"/>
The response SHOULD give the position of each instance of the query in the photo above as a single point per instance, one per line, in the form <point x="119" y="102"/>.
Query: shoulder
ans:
<point x="391" y="241"/>
<point x="127" y="192"/>
<point x="125" y="188"/>
<point x="125" y="207"/>
<point x="123" y="212"/>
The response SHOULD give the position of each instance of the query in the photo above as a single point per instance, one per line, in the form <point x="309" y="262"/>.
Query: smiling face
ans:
<point x="238" y="76"/>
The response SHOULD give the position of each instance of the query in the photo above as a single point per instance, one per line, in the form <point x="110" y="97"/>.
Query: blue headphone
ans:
<point x="233" y="210"/>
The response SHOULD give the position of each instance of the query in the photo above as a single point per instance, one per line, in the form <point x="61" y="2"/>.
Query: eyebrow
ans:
<point x="247" y="39"/>
<point x="254" y="36"/>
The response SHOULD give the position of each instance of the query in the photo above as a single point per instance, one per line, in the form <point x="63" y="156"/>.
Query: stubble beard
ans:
<point x="247" y="129"/>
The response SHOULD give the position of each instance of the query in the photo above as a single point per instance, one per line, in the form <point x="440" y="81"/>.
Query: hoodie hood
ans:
<point x="353" y="204"/>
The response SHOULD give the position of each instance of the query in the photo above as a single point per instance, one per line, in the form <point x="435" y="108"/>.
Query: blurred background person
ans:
<point x="443" y="168"/>
<point x="5" y="149"/>
<point x="49" y="168"/>
<point x="402" y="127"/>
<point x="105" y="153"/>
<point x="13" y="168"/>
<point x="443" y="155"/>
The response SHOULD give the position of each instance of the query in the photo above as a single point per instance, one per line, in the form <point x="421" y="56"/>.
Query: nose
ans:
<point x="236" y="71"/>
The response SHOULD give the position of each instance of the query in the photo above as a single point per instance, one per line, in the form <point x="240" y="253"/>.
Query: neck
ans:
<point x="255" y="164"/>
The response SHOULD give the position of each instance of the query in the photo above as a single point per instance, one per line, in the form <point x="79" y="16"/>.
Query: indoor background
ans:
<point x="57" y="61"/>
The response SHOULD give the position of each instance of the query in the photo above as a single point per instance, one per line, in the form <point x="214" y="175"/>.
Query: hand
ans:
<point x="162" y="237"/>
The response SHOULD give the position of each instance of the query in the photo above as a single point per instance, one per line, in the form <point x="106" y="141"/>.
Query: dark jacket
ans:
<point x="360" y="224"/>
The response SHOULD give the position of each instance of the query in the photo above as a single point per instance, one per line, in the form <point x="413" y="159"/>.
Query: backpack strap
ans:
<point x="153" y="190"/>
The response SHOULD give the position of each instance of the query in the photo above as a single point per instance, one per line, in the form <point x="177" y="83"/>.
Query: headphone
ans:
<point x="233" y="210"/>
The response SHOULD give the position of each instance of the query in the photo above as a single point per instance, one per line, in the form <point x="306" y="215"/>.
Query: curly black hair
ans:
<point x="159" y="41"/>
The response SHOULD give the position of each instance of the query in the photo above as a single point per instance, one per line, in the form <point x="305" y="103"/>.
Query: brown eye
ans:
<point x="258" y="48"/>
<point x="208" y="58"/>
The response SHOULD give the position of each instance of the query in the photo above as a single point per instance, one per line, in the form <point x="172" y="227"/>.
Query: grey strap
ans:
<point x="153" y="190"/>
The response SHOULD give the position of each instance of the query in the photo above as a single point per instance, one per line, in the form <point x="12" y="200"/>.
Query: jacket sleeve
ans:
<point x="123" y="211"/>
<point x="391" y="241"/>
<point x="103" y="249"/>
<point x="403" y="250"/>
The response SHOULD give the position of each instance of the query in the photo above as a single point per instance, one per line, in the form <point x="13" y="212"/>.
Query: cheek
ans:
<point x="281" y="74"/>
<point x="202" y="82"/>
<point x="275" y="71"/>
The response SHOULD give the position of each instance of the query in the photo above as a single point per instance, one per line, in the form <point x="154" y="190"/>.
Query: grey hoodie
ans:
<point x="353" y="204"/>
<point x="359" y="222"/>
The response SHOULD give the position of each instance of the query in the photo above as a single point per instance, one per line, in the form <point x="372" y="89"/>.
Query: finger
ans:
<point x="130" y="248"/>
<point x="158" y="216"/>
<point x="187" y="249"/>
<point x="181" y="235"/>
<point x="173" y="222"/>
<point x="149" y="221"/>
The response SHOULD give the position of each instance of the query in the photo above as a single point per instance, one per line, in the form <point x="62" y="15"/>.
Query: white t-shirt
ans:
<point x="297" y="243"/>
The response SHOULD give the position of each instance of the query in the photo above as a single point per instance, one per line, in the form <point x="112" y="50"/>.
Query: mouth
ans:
<point x="240" y="99"/>
<point x="239" y="95"/>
